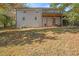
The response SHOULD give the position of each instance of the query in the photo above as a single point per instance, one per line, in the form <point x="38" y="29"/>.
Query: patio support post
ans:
<point x="61" y="21"/>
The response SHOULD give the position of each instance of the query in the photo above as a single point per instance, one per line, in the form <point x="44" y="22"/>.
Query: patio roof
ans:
<point x="52" y="15"/>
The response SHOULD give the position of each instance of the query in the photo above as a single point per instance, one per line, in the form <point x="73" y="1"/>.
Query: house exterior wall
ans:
<point x="47" y="21"/>
<point x="51" y="21"/>
<point x="31" y="18"/>
<point x="57" y="21"/>
<point x="34" y="18"/>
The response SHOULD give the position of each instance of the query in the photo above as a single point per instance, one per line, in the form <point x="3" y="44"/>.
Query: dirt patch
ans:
<point x="39" y="43"/>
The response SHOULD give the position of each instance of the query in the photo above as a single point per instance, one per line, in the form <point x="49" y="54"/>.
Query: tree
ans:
<point x="71" y="15"/>
<point x="8" y="12"/>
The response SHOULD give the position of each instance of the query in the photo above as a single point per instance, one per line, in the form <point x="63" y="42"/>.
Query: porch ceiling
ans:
<point x="52" y="15"/>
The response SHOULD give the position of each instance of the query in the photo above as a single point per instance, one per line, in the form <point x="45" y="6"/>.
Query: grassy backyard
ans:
<point x="56" y="41"/>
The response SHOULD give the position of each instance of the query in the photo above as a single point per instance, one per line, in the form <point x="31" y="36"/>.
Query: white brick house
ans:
<point x="38" y="17"/>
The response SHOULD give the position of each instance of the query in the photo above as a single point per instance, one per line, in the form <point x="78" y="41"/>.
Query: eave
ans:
<point x="52" y="15"/>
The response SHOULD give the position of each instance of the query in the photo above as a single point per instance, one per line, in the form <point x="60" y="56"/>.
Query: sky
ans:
<point x="39" y="5"/>
<point x="44" y="5"/>
<point x="68" y="8"/>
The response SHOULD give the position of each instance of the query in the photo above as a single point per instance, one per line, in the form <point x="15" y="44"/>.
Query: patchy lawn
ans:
<point x="58" y="41"/>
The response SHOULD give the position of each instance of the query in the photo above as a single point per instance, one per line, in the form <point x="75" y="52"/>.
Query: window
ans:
<point x="23" y="18"/>
<point x="24" y="11"/>
<point x="37" y="12"/>
<point x="35" y="18"/>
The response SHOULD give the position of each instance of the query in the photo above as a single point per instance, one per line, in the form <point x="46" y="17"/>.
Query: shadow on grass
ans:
<point x="28" y="37"/>
<point x="63" y="30"/>
<point x="21" y="38"/>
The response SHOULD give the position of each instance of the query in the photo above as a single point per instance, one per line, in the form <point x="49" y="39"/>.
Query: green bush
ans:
<point x="6" y="20"/>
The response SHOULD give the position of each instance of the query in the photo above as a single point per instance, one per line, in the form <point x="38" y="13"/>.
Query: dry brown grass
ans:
<point x="40" y="42"/>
